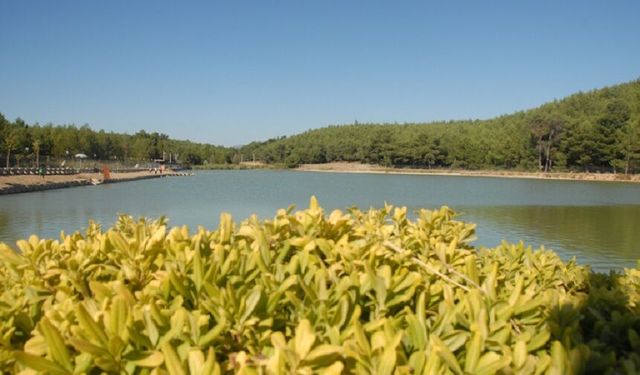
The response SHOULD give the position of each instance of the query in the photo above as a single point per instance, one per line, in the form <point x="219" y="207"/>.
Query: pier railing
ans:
<point x="18" y="171"/>
<point x="34" y="171"/>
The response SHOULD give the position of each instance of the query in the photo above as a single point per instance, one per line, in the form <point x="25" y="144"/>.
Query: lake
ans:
<point x="597" y="222"/>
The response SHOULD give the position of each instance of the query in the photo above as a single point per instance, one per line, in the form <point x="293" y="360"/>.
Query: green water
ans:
<point x="598" y="223"/>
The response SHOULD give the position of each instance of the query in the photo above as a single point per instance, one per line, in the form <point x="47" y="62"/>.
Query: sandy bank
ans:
<point x="27" y="183"/>
<point x="345" y="167"/>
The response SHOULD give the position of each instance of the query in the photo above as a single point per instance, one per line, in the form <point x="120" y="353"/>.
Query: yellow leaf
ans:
<point x="171" y="360"/>
<point x="473" y="353"/>
<point x="335" y="369"/>
<point x="387" y="361"/>
<point x="153" y="359"/>
<point x="304" y="338"/>
<point x="322" y="351"/>
<point x="313" y="204"/>
<point x="558" y="358"/>
<point x="196" y="361"/>
<point x="520" y="354"/>
<point x="490" y="363"/>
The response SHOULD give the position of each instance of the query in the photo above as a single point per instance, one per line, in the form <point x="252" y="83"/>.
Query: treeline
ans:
<point x="23" y="144"/>
<point x="592" y="131"/>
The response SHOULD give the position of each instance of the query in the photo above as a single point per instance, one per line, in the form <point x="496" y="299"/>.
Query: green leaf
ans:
<point x="177" y="324"/>
<point x="447" y="356"/>
<point x="251" y="303"/>
<point x="56" y="344"/>
<point x="490" y="363"/>
<point x="213" y="333"/>
<point x="118" y="315"/>
<point x="539" y="340"/>
<point x="10" y="257"/>
<point x="210" y="366"/>
<point x="40" y="364"/>
<point x="198" y="268"/>
<point x="87" y="347"/>
<point x="474" y="349"/>
<point x="152" y="329"/>
<point x="320" y="353"/>
<point x="226" y="227"/>
<point x="90" y="327"/>
<point x="558" y="358"/>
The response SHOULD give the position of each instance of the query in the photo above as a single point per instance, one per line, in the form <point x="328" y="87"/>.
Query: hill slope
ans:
<point x="596" y="130"/>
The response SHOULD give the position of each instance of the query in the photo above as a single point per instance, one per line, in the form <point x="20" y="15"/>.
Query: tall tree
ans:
<point x="36" y="151"/>
<point x="546" y="132"/>
<point x="612" y="122"/>
<point x="628" y="144"/>
<point x="11" y="142"/>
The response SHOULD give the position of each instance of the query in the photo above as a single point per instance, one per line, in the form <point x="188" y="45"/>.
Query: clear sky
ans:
<point x="229" y="72"/>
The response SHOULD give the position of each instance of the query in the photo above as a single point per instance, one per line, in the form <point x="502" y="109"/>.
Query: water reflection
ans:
<point x="596" y="235"/>
<point x="5" y="227"/>
<point x="596" y="222"/>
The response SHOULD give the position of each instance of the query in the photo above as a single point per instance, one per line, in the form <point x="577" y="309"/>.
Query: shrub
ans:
<point x="355" y="292"/>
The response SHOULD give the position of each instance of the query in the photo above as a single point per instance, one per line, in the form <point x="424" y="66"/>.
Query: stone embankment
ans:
<point x="26" y="188"/>
<point x="29" y="183"/>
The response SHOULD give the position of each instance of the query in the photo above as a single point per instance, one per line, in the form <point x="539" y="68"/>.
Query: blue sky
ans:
<point x="230" y="72"/>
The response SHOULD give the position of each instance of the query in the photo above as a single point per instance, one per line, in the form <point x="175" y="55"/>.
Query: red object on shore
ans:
<point x="106" y="173"/>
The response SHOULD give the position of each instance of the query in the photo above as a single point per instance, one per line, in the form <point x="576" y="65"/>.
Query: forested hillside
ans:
<point x="597" y="130"/>
<point x="593" y="131"/>
<point x="25" y="144"/>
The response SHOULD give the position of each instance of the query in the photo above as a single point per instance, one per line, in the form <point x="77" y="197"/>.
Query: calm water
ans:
<point x="598" y="223"/>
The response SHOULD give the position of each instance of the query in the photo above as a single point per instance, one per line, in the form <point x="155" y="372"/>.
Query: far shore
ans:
<point x="348" y="167"/>
<point x="28" y="183"/>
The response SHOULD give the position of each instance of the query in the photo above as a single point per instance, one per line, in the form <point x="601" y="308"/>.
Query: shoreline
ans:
<point x="347" y="167"/>
<point x="29" y="183"/>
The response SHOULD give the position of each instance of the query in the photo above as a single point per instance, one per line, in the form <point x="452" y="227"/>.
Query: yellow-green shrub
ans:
<point x="362" y="291"/>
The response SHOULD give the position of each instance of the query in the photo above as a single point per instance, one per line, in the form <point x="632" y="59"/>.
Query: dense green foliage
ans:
<point x="305" y="292"/>
<point x="593" y="131"/>
<point x="20" y="141"/>
<point x="597" y="130"/>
